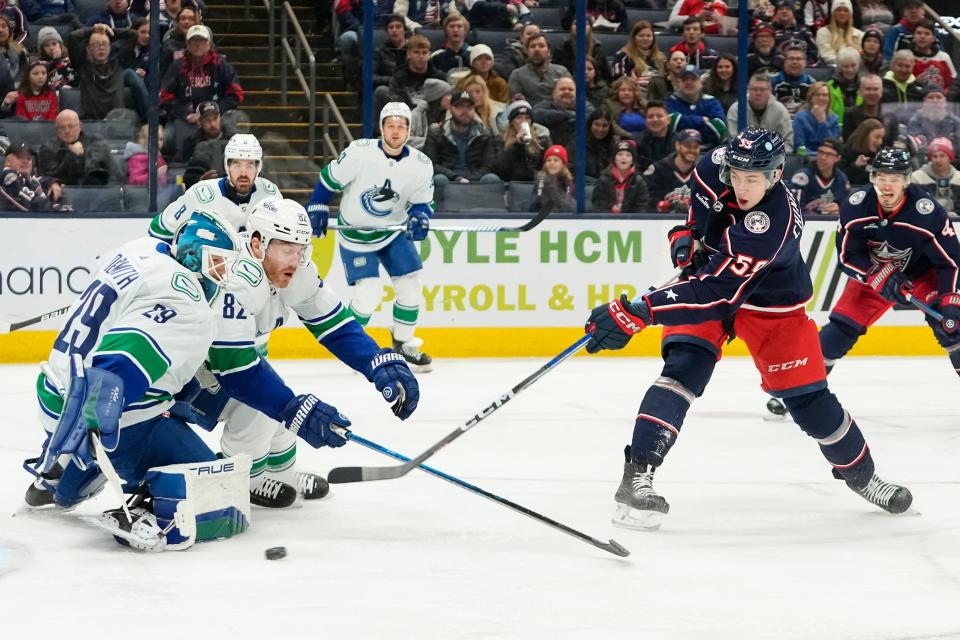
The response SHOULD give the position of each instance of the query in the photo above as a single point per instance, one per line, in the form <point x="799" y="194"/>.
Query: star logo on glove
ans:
<point x="671" y="295"/>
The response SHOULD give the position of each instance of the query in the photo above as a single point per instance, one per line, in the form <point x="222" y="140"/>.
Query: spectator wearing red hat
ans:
<point x="554" y="183"/>
<point x="938" y="176"/>
<point x="762" y="55"/>
<point x="621" y="189"/>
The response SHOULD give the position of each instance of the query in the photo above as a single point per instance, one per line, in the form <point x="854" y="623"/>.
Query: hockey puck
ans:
<point x="276" y="553"/>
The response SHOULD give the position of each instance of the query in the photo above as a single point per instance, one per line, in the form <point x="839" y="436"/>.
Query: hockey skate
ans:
<point x="143" y="534"/>
<point x="775" y="410"/>
<point x="639" y="507"/>
<point x="270" y="493"/>
<point x="410" y="350"/>
<point x="38" y="495"/>
<point x="888" y="496"/>
<point x="310" y="486"/>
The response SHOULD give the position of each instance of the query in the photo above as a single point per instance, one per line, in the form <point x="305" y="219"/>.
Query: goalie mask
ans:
<point x="207" y="247"/>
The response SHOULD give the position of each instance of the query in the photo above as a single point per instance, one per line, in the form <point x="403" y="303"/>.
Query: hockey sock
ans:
<point x="404" y="321"/>
<point x="837" y="337"/>
<point x="278" y="461"/>
<point x="361" y="318"/>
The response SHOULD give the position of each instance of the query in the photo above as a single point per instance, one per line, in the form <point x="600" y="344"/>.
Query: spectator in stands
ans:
<point x="931" y="64"/>
<point x="790" y="85"/>
<point x="814" y="122"/>
<point x="482" y="64"/>
<point x="709" y="13"/>
<point x="763" y="54"/>
<point x="690" y="109"/>
<point x="933" y="120"/>
<point x="838" y="33"/>
<point x="101" y="80"/>
<point x="15" y="17"/>
<point x="870" y="96"/>
<point x="899" y="84"/>
<point x="431" y="107"/>
<point x="490" y="14"/>
<point x="455" y="52"/>
<point x="425" y="13"/>
<point x="566" y="53"/>
<point x="863" y="144"/>
<point x="875" y="15"/>
<point x="598" y="91"/>
<point x="655" y="142"/>
<point x="116" y="15"/>
<point x="608" y="15"/>
<point x="524" y="142"/>
<point x="48" y="11"/>
<point x="621" y="188"/>
<point x="661" y="87"/>
<point x="202" y="75"/>
<point x="350" y="28"/>
<point x="676" y="170"/>
<point x="9" y="92"/>
<point x="901" y="35"/>
<point x="205" y="160"/>
<point x="175" y="40"/>
<point x="559" y="112"/>
<point x="133" y="49"/>
<point x="36" y="100"/>
<point x="813" y="14"/>
<point x="535" y="80"/>
<point x="168" y="13"/>
<point x="721" y="82"/>
<point x="488" y="111"/>
<point x="692" y="44"/>
<point x="787" y="30"/>
<point x="54" y="53"/>
<point x="640" y="57"/>
<point x="626" y="107"/>
<point x="871" y="56"/>
<point x="392" y="54"/>
<point x="12" y="54"/>
<point x="554" y="183"/>
<point x="138" y="163"/>
<point x="763" y="111"/>
<point x="844" y="85"/>
<point x="822" y="187"/>
<point x="938" y="176"/>
<point x="75" y="158"/>
<point x="462" y="150"/>
<point x="407" y="82"/>
<point x="516" y="55"/>
<point x="601" y="143"/>
<point x="22" y="190"/>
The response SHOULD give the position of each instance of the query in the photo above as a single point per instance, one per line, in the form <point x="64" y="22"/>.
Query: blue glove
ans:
<point x="316" y="422"/>
<point x="392" y="377"/>
<point x="319" y="217"/>
<point x="887" y="280"/>
<point x="417" y="225"/>
<point x="613" y="324"/>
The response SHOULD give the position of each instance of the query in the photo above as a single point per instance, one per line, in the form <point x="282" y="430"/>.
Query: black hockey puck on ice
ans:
<point x="275" y="553"/>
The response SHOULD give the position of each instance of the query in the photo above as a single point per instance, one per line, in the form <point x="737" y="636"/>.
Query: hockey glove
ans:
<point x="392" y="377"/>
<point x="417" y="225"/>
<point x="950" y="310"/>
<point x="319" y="217"/>
<point x="316" y="422"/>
<point x="612" y="325"/>
<point x="685" y="251"/>
<point x="887" y="280"/>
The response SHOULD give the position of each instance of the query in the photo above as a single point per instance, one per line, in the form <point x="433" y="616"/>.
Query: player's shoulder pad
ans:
<point x="858" y="196"/>
<point x="268" y="187"/>
<point x="422" y="157"/>
<point x="801" y="178"/>
<point x="10" y="177"/>
<point x="362" y="142"/>
<point x="920" y="201"/>
<point x="205" y="191"/>
<point x="715" y="158"/>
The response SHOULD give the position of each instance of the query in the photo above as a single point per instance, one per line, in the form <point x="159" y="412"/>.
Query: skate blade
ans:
<point x="421" y="368"/>
<point x="138" y="543"/>
<point x="636" y="519"/>
<point x="772" y="417"/>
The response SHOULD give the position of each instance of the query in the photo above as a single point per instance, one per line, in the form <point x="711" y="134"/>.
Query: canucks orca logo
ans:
<point x="379" y="201"/>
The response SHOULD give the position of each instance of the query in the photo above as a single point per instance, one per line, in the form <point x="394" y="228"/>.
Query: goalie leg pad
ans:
<point x="367" y="294"/>
<point x="201" y="501"/>
<point x="406" y="306"/>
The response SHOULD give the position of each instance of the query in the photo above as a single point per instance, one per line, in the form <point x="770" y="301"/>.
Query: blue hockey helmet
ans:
<point x="754" y="149"/>
<point x="892" y="160"/>
<point x="208" y="247"/>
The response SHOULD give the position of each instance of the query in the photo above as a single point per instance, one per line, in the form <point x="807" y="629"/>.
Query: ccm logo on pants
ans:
<point x="783" y="366"/>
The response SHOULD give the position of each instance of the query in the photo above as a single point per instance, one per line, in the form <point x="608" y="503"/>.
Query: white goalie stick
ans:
<point x="7" y="327"/>
<point x="341" y="475"/>
<point x="544" y="211"/>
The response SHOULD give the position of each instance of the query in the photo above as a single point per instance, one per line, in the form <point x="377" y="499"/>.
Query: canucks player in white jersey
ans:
<point x="131" y="342"/>
<point x="384" y="182"/>
<point x="273" y="276"/>
<point x="230" y="197"/>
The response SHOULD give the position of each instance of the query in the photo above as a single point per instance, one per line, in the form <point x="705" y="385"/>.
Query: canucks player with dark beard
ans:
<point x="755" y="285"/>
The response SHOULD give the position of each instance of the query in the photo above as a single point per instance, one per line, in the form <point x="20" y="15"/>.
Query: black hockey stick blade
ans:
<point x="7" y="327"/>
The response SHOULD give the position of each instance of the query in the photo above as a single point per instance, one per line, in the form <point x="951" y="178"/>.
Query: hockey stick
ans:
<point x="527" y="226"/>
<point x="930" y="311"/>
<point x="612" y="546"/>
<point x="341" y="475"/>
<point x="7" y="327"/>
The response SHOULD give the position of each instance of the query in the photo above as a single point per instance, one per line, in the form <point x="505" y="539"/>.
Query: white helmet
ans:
<point x="243" y="146"/>
<point x="276" y="219"/>
<point x="398" y="110"/>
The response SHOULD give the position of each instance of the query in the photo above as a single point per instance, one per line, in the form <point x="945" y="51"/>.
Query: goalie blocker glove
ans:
<point x="392" y="377"/>
<point x="320" y="424"/>
<point x="612" y="325"/>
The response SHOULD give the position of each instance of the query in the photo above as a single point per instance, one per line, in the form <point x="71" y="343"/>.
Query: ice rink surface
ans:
<point x="760" y="542"/>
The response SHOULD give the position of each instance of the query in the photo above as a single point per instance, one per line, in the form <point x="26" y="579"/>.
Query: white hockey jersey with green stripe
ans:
<point x="210" y="195"/>
<point x="252" y="308"/>
<point x="377" y="190"/>
<point x="144" y="306"/>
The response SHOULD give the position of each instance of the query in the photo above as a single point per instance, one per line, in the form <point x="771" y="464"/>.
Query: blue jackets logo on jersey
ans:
<point x="375" y="199"/>
<point x="757" y="222"/>
<point x="883" y="252"/>
<point x="925" y="206"/>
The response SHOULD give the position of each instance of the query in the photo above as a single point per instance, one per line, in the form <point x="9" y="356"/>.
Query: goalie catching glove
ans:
<point x="612" y="325"/>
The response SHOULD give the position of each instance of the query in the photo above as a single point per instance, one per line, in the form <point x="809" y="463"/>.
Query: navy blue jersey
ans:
<point x="755" y="262"/>
<point x="918" y="236"/>
<point x="813" y="192"/>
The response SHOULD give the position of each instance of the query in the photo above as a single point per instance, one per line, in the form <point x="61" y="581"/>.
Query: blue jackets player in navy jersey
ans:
<point x="756" y="285"/>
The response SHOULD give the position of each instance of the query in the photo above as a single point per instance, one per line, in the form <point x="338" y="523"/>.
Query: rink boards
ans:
<point x="484" y="294"/>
